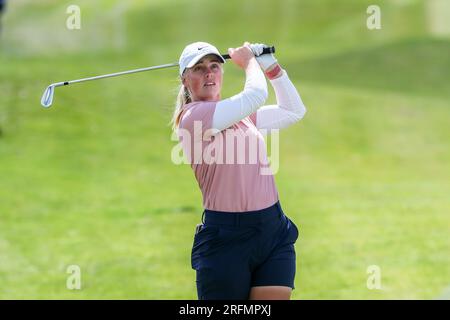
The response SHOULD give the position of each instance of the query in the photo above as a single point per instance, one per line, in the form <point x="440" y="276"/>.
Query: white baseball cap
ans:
<point x="193" y="52"/>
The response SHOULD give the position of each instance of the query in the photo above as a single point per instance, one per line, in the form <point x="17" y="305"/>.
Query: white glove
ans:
<point x="264" y="60"/>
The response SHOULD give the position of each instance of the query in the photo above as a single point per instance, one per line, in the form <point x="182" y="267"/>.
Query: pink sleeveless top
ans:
<point x="231" y="167"/>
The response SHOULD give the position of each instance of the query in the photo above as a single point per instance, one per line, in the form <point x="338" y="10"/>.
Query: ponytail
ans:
<point x="183" y="98"/>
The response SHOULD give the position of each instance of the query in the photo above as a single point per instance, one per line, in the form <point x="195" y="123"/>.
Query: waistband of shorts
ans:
<point x="242" y="218"/>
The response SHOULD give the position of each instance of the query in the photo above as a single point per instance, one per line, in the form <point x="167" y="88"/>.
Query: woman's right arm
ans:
<point x="232" y="110"/>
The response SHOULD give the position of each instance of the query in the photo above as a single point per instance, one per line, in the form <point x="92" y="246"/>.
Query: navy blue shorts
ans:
<point x="234" y="251"/>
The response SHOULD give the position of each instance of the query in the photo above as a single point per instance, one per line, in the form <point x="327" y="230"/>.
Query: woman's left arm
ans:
<point x="288" y="110"/>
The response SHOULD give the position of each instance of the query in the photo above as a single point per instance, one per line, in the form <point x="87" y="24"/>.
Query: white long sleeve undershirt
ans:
<point x="288" y="110"/>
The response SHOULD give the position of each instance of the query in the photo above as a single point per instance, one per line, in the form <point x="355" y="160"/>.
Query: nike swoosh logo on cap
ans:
<point x="201" y="48"/>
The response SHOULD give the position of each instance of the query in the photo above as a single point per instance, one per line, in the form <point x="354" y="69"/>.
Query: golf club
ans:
<point x="47" y="97"/>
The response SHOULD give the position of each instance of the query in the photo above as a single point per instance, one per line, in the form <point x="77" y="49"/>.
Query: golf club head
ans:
<point x="47" y="97"/>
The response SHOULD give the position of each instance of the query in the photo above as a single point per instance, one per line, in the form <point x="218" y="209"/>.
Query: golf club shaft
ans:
<point x="65" y="83"/>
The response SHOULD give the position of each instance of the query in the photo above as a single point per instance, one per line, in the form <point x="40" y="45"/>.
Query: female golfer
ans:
<point x="244" y="248"/>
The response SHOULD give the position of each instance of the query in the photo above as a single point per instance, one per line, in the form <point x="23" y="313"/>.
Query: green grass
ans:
<point x="90" y="181"/>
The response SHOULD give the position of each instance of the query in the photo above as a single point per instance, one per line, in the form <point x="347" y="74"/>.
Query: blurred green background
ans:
<point x="90" y="182"/>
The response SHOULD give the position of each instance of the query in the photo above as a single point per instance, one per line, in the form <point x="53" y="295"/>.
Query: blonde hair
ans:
<point x="183" y="98"/>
